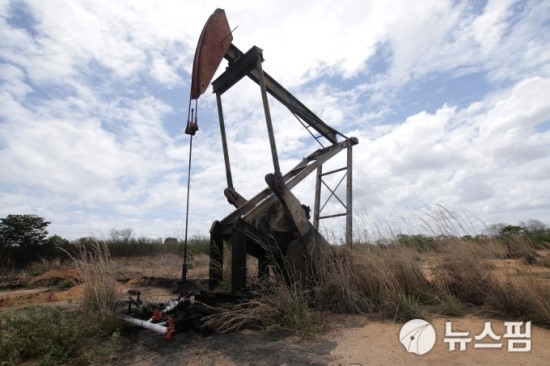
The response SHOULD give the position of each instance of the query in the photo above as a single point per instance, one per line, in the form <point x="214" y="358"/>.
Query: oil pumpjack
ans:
<point x="272" y="226"/>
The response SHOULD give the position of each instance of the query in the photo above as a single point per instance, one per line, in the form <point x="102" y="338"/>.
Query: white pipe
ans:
<point x="171" y="305"/>
<point x="143" y="323"/>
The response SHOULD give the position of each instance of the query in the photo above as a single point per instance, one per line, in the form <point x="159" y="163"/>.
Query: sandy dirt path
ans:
<point x="377" y="343"/>
<point x="353" y="341"/>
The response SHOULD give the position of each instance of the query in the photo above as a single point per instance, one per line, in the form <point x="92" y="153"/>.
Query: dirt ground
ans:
<point x="353" y="340"/>
<point x="350" y="340"/>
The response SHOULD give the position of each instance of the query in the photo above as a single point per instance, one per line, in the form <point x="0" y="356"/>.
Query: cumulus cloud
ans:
<point x="92" y="94"/>
<point x="464" y="157"/>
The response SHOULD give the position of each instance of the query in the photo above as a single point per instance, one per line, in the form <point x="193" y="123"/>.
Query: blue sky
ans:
<point x="449" y="100"/>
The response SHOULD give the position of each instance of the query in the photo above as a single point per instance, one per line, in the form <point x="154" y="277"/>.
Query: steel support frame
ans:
<point x="238" y="238"/>
<point x="348" y="205"/>
<point x="247" y="63"/>
<point x="250" y="64"/>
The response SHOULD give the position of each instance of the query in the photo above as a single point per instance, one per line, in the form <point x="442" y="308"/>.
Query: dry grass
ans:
<point x="464" y="273"/>
<point x="344" y="282"/>
<point x="524" y="295"/>
<point x="386" y="280"/>
<point x="98" y="275"/>
<point x="520" y="292"/>
<point x="544" y="261"/>
<point x="280" y="308"/>
<point x="519" y="247"/>
<point x="51" y="336"/>
<point x="162" y="265"/>
<point x="277" y="304"/>
<point x="250" y="314"/>
<point x="391" y="281"/>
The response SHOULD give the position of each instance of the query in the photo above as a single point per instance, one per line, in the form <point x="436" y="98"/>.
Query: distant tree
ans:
<point x="57" y="241"/>
<point x="23" y="231"/>
<point x="86" y="240"/>
<point x="538" y="233"/>
<point x="124" y="235"/>
<point x="419" y="242"/>
<point x="511" y="230"/>
<point x="170" y="240"/>
<point x="494" y="229"/>
<point x="534" y="226"/>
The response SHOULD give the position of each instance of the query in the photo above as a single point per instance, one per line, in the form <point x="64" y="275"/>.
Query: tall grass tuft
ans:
<point x="282" y="303"/>
<point x="344" y="282"/>
<point x="97" y="274"/>
<point x="525" y="295"/>
<point x="520" y="247"/>
<point x="280" y="308"/>
<point x="383" y="280"/>
<point x="463" y="274"/>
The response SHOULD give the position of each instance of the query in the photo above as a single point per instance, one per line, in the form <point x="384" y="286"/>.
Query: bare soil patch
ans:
<point x="353" y="340"/>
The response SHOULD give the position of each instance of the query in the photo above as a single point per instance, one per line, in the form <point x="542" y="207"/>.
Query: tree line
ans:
<point x="25" y="239"/>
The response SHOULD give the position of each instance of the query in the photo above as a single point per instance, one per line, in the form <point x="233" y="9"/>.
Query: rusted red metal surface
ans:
<point x="213" y="43"/>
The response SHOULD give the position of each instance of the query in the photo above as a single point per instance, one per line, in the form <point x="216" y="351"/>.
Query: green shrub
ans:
<point x="409" y="307"/>
<point x="48" y="336"/>
<point x="418" y="242"/>
<point x="66" y="284"/>
<point x="450" y="305"/>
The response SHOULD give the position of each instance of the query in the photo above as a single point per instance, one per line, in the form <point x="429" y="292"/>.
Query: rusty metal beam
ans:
<point x="224" y="143"/>
<point x="286" y="98"/>
<point x="263" y="200"/>
<point x="238" y="70"/>
<point x="268" y="121"/>
<point x="251" y="61"/>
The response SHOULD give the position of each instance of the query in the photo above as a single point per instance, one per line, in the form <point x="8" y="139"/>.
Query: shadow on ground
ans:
<point x="242" y="348"/>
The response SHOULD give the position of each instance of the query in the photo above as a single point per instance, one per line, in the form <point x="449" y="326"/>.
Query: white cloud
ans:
<point x="462" y="158"/>
<point x="489" y="27"/>
<point x="84" y="117"/>
<point x="13" y="79"/>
